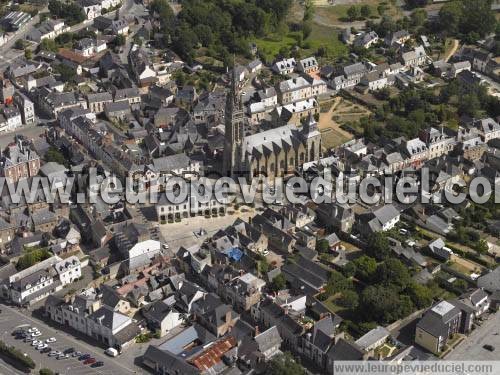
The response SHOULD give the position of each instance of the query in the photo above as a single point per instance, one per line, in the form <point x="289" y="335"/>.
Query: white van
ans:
<point x="112" y="352"/>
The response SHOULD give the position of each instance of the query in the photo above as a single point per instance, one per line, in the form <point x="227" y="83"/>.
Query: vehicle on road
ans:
<point x="84" y="357"/>
<point x="112" y="352"/>
<point x="51" y="340"/>
<point x="97" y="364"/>
<point x="489" y="347"/>
<point x="89" y="361"/>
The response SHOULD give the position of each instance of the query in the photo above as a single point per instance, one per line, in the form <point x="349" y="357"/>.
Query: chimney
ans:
<point x="256" y="331"/>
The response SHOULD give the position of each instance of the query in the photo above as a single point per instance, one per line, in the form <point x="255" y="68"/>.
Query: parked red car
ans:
<point x="89" y="361"/>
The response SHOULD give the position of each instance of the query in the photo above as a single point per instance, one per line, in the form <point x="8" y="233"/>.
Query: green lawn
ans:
<point x="270" y="46"/>
<point x="321" y="36"/>
<point x="327" y="37"/>
<point x="330" y="304"/>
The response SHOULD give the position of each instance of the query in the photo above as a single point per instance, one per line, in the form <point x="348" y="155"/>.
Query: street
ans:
<point x="471" y="349"/>
<point x="11" y="318"/>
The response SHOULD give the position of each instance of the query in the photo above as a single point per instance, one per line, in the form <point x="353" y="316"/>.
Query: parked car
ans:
<point x="76" y="354"/>
<point x="489" y="347"/>
<point x="97" y="364"/>
<point x="84" y="357"/>
<point x="69" y="351"/>
<point x="63" y="356"/>
<point x="51" y="340"/>
<point x="54" y="353"/>
<point x="41" y="346"/>
<point x="89" y="361"/>
<point x="112" y="352"/>
<point x="46" y="350"/>
<point x="28" y="339"/>
<point x="36" y="334"/>
<point x="17" y="331"/>
<point x="36" y="343"/>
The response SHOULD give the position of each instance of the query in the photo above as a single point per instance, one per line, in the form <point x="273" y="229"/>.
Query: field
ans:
<point x="321" y="36"/>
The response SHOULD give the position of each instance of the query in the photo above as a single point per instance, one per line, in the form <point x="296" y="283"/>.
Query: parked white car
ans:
<point x="36" y="343"/>
<point x="51" y="340"/>
<point x="41" y="346"/>
<point x="36" y="334"/>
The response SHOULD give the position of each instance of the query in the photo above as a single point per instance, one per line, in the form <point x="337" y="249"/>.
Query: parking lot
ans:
<point x="471" y="349"/>
<point x="11" y="318"/>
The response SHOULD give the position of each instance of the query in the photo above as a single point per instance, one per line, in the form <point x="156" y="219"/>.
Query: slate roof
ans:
<point x="268" y="339"/>
<point x="490" y="281"/>
<point x="345" y="350"/>
<point x="169" y="362"/>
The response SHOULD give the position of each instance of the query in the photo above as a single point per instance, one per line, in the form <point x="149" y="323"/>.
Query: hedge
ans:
<point x="16" y="355"/>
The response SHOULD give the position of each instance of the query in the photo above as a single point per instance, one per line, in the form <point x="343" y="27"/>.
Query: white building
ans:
<point x="26" y="107"/>
<point x="40" y="280"/>
<point x="69" y="270"/>
<point x="285" y="66"/>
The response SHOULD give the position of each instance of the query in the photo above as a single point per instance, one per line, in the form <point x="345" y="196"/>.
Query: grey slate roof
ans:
<point x="268" y="339"/>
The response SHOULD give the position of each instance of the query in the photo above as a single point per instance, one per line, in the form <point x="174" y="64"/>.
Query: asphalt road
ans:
<point x="11" y="318"/>
<point x="471" y="349"/>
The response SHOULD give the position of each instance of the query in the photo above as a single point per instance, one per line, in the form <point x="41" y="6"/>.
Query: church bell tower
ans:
<point x="234" y="118"/>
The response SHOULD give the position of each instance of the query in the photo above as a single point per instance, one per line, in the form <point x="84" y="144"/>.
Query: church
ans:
<point x="276" y="152"/>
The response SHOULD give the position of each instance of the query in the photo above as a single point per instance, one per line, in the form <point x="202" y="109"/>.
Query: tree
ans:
<point x="450" y="15"/>
<point x="418" y="17"/>
<point x="263" y="266"/>
<point x="366" y="268"/>
<point x="278" y="283"/>
<point x="337" y="283"/>
<point x="53" y="154"/>
<point x="322" y="246"/>
<point x="285" y="364"/>
<point x="349" y="299"/>
<point x="378" y="246"/>
<point x="32" y="257"/>
<point x="66" y="72"/>
<point x="19" y="44"/>
<point x="365" y="11"/>
<point x="481" y="247"/>
<point x="384" y="304"/>
<point x="352" y="13"/>
<point x="120" y="40"/>
<point x="477" y="17"/>
<point x="393" y="271"/>
<point x="420" y="295"/>
<point x="28" y="53"/>
<point x="48" y="45"/>
<point x="350" y="269"/>
<point x="46" y="371"/>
